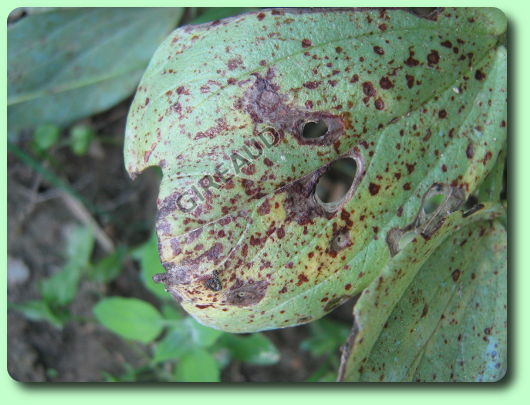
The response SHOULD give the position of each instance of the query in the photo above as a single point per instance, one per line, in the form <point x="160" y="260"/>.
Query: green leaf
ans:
<point x="450" y="323"/>
<point x="201" y="335"/>
<point x="45" y="136"/>
<point x="173" y="345"/>
<point x="326" y="337"/>
<point x="130" y="318"/>
<point x="70" y="63"/>
<point x="326" y="372"/>
<point x="109" y="267"/>
<point x="376" y="303"/>
<point x="38" y="310"/>
<point x="184" y="335"/>
<point x="80" y="139"/>
<point x="79" y="246"/>
<point x="197" y="366"/>
<point x="254" y="349"/>
<point x="149" y="266"/>
<point x="170" y="312"/>
<point x="61" y="288"/>
<point x="276" y="234"/>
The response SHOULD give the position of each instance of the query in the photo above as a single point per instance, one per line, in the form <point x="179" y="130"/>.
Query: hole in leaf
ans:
<point x="471" y="206"/>
<point x="314" y="130"/>
<point x="405" y="239"/>
<point x="432" y="203"/>
<point x="335" y="183"/>
<point x="470" y="202"/>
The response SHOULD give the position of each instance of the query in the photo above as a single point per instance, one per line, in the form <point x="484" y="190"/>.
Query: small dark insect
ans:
<point x="213" y="283"/>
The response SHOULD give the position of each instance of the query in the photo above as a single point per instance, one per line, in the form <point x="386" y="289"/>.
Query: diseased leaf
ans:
<point x="378" y="299"/>
<point x="130" y="318"/>
<point x="449" y="324"/>
<point x="302" y="149"/>
<point x="70" y="63"/>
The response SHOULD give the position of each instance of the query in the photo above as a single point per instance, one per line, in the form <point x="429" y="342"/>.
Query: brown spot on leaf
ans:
<point x="234" y="63"/>
<point x="470" y="151"/>
<point x="368" y="89"/>
<point x="374" y="188"/>
<point x="480" y="75"/>
<point x="487" y="156"/>
<point x="302" y="278"/>
<point x="182" y="90"/>
<point x="433" y="58"/>
<point x="246" y="294"/>
<point x="340" y="240"/>
<point x="379" y="104"/>
<point x="410" y="61"/>
<point x="378" y="50"/>
<point x="386" y="83"/>
<point x="311" y="85"/>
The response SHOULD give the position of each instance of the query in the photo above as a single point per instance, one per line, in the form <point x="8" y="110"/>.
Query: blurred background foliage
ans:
<point x="82" y="251"/>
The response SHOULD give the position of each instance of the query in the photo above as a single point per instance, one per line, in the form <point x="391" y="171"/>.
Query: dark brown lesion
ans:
<point x="265" y="104"/>
<point x="341" y="240"/>
<point x="214" y="283"/>
<point x="246" y="294"/>
<point x="175" y="274"/>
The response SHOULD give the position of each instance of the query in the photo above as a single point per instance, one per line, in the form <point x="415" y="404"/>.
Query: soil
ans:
<point x="38" y="218"/>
